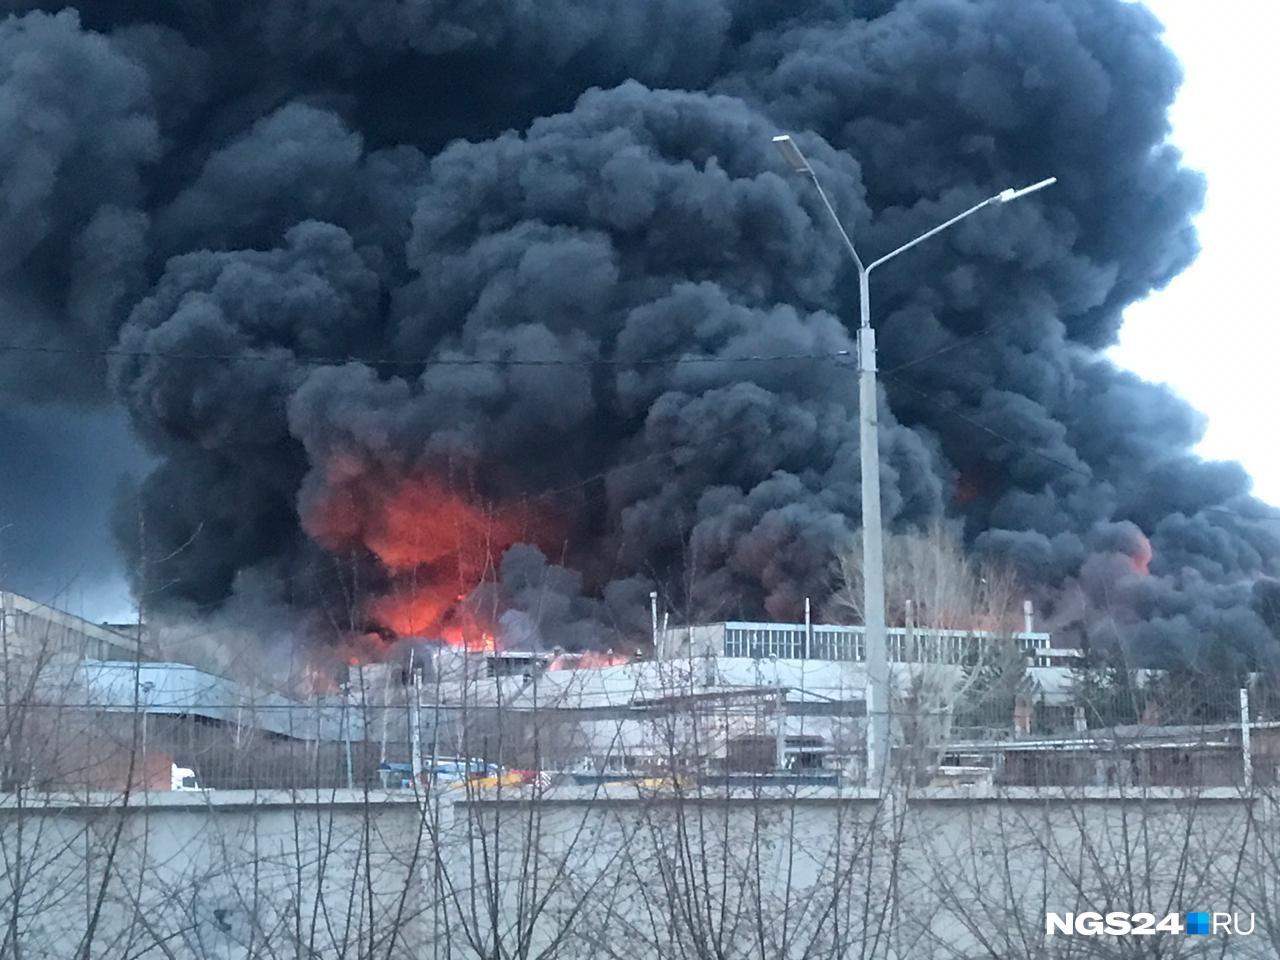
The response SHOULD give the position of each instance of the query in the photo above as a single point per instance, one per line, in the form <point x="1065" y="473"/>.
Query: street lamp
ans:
<point x="875" y="632"/>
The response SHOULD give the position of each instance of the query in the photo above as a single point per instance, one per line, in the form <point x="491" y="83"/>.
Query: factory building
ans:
<point x="32" y="631"/>
<point x="719" y="699"/>
<point x="846" y="643"/>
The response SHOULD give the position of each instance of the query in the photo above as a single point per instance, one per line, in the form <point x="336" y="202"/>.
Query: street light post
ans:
<point x="875" y="629"/>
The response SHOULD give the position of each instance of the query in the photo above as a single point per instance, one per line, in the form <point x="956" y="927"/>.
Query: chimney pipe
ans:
<point x="1028" y="617"/>
<point x="653" y="613"/>
<point x="909" y="622"/>
<point x="808" y="629"/>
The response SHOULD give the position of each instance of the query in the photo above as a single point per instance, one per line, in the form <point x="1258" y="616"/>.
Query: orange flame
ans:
<point x="436" y="544"/>
<point x="588" y="660"/>
<point x="1140" y="558"/>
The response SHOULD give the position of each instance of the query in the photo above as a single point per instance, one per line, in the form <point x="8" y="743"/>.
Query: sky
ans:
<point x="58" y="503"/>
<point x="1212" y="334"/>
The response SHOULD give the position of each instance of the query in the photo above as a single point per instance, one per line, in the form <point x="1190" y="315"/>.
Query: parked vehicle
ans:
<point x="444" y="771"/>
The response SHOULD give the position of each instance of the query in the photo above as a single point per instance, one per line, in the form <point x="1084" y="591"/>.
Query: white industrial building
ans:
<point x="712" y="696"/>
<point x="845" y="643"/>
<point x="709" y="689"/>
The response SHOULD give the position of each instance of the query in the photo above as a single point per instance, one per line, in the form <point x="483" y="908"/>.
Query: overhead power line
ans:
<point x="965" y="341"/>
<point x="954" y="411"/>
<point x="263" y="355"/>
<point x="839" y="358"/>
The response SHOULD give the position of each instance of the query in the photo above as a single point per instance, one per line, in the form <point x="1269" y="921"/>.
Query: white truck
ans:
<point x="183" y="778"/>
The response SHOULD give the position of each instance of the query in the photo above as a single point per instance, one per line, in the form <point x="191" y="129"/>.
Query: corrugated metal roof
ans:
<point x="181" y="689"/>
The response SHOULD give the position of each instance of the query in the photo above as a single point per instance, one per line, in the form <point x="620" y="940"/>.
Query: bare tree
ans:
<point x="956" y="656"/>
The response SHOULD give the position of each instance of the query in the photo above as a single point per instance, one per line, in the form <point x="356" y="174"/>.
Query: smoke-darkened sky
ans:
<point x="513" y="217"/>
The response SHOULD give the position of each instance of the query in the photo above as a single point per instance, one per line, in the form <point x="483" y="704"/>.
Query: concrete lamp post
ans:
<point x="876" y="633"/>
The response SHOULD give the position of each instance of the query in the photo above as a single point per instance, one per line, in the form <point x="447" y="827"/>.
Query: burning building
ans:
<point x="473" y="320"/>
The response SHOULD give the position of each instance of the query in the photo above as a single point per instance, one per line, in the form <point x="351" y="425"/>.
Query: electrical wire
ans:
<point x="838" y="358"/>
<point x="966" y="341"/>
<point x="953" y="410"/>
<point x="269" y="357"/>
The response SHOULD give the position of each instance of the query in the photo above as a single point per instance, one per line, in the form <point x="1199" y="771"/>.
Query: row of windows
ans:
<point x="829" y="643"/>
<point x="41" y="632"/>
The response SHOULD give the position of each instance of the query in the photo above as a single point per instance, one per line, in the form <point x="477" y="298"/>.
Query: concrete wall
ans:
<point x="634" y="873"/>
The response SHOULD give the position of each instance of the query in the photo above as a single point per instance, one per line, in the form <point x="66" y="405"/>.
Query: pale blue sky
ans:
<point x="1212" y="334"/>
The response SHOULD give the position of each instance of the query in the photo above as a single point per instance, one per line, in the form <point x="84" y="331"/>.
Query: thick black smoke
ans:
<point x="592" y="183"/>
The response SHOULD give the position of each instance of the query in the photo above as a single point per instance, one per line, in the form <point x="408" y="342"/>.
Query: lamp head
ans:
<point x="791" y="153"/>
<point x="1004" y="196"/>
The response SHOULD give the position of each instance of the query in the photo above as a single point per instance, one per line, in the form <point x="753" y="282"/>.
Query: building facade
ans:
<point x="846" y="643"/>
<point x="32" y="630"/>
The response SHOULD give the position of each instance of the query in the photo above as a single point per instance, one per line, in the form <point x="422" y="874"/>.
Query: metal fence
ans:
<point x="79" y="747"/>
<point x="1107" y="735"/>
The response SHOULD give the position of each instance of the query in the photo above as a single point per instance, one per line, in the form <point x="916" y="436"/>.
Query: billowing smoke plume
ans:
<point x="513" y="216"/>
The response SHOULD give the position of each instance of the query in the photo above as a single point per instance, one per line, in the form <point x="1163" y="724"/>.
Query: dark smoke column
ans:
<point x="535" y="197"/>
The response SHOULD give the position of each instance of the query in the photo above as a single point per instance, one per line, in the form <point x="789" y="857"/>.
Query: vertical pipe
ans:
<point x="808" y="630"/>
<point x="909" y="638"/>
<point x="415" y="727"/>
<point x="653" y="614"/>
<point x="1246" y="749"/>
<point x="350" y="771"/>
<point x="386" y="701"/>
<point x="347" y="724"/>
<point x="780" y="708"/>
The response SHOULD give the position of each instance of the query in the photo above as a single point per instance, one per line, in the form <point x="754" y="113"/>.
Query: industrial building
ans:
<point x="845" y="643"/>
<point x="31" y="631"/>
<point x="715" y="699"/>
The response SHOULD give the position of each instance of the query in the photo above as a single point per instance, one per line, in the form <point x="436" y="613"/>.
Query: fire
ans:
<point x="418" y="611"/>
<point x="1140" y="558"/>
<point x="436" y="544"/>
<point x="588" y="660"/>
<point x="411" y="524"/>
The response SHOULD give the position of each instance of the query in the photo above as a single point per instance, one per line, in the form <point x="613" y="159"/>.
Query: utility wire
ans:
<point x="270" y="354"/>
<point x="265" y="355"/>
<point x="965" y="341"/>
<point x="839" y="358"/>
<point x="953" y="410"/>
<point x="976" y="424"/>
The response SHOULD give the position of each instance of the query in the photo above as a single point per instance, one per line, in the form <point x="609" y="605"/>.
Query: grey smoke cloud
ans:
<point x="591" y="183"/>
